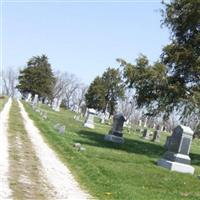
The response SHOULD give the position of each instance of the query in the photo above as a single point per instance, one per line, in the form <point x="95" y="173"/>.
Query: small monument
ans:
<point x="57" y="105"/>
<point x="156" y="134"/>
<point x="89" y="122"/>
<point x="28" y="99"/>
<point x="102" y="118"/>
<point x="146" y="134"/>
<point x="54" y="103"/>
<point x="145" y="123"/>
<point x="46" y="101"/>
<point x="178" y="146"/>
<point x="115" y="134"/>
<point x="35" y="100"/>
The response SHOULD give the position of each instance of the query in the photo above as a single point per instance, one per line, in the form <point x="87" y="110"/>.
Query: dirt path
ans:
<point x="26" y="178"/>
<point x="57" y="174"/>
<point x="5" y="192"/>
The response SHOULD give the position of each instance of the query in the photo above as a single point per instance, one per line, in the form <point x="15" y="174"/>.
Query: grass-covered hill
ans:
<point x="116" y="171"/>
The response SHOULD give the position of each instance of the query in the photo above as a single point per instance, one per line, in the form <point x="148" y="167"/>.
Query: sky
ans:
<point x="83" y="38"/>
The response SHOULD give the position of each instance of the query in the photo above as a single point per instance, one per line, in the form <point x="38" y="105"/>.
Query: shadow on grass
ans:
<point x="130" y="145"/>
<point x="195" y="159"/>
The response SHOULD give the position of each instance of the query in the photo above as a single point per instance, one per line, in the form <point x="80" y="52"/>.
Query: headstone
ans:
<point x="102" y="118"/>
<point x="28" y="99"/>
<point x="77" y="145"/>
<point x="145" y="123"/>
<point x="61" y="129"/>
<point x="89" y="122"/>
<point x="35" y="100"/>
<point x="115" y="134"/>
<point x="140" y="122"/>
<point x="82" y="149"/>
<point x="54" y="103"/>
<point x="46" y="101"/>
<point x="178" y="146"/>
<point x="156" y="134"/>
<point x="146" y="134"/>
<point x="57" y="106"/>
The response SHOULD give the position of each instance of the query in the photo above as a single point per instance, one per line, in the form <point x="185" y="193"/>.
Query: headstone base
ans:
<point x="174" y="166"/>
<point x="87" y="125"/>
<point x="177" y="157"/>
<point x="114" y="138"/>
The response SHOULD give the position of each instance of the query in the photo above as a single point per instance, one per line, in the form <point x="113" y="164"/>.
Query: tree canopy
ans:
<point x="104" y="91"/>
<point x="174" y="81"/>
<point x="37" y="77"/>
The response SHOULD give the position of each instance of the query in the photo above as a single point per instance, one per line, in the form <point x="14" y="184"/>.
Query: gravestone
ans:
<point x="146" y="134"/>
<point x="46" y="101"/>
<point x="61" y="129"/>
<point x="140" y="122"/>
<point x="156" y="134"/>
<point x="145" y="122"/>
<point x="54" y="103"/>
<point x="57" y="105"/>
<point x="102" y="117"/>
<point x="28" y="99"/>
<point x="115" y="134"/>
<point x="35" y="100"/>
<point x="89" y="122"/>
<point x="178" y="146"/>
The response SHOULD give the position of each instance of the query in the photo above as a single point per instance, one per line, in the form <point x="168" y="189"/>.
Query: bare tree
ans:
<point x="69" y="88"/>
<point x="9" y="81"/>
<point x="78" y="97"/>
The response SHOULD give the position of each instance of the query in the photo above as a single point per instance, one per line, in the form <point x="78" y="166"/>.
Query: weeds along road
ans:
<point x="29" y="169"/>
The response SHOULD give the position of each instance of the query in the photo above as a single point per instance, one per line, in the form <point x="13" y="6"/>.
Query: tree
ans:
<point x="37" y="77"/>
<point x="9" y="78"/>
<point x="173" y="83"/>
<point x="95" y="96"/>
<point x="104" y="91"/>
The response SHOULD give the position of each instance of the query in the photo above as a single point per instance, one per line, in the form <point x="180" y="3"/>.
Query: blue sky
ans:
<point x="82" y="38"/>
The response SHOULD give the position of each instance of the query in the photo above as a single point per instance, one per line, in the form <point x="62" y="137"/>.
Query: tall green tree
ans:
<point x="37" y="77"/>
<point x="174" y="81"/>
<point x="104" y="91"/>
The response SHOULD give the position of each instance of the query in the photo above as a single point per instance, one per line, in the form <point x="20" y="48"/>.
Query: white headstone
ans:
<point x="35" y="100"/>
<point x="89" y="122"/>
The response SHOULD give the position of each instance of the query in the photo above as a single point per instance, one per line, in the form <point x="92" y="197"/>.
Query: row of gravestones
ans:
<point x="55" y="104"/>
<point x="178" y="145"/>
<point x="153" y="136"/>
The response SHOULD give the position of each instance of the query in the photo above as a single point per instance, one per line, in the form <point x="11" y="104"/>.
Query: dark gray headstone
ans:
<point x="115" y="134"/>
<point x="178" y="147"/>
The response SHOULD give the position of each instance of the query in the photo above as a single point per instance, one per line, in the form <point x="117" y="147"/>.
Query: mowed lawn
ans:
<point x="3" y="102"/>
<point x="117" y="171"/>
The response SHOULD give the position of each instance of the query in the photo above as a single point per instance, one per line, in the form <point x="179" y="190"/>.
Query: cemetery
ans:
<point x="100" y="100"/>
<point x="112" y="170"/>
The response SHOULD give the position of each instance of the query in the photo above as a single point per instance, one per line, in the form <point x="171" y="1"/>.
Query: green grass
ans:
<point x="2" y="103"/>
<point x="114" y="171"/>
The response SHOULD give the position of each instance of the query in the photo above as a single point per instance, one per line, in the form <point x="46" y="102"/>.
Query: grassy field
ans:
<point x="2" y="102"/>
<point x="114" y="171"/>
